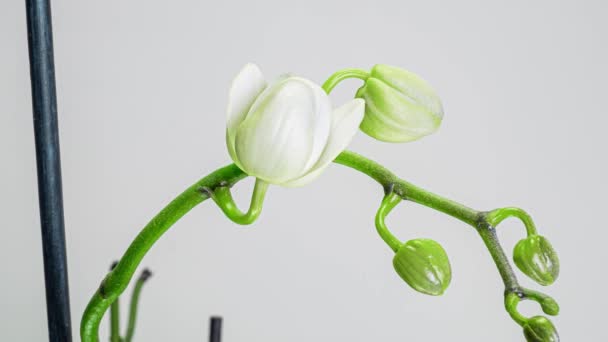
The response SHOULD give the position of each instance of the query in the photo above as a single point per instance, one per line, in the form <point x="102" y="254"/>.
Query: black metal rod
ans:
<point x="44" y="103"/>
<point x="215" y="329"/>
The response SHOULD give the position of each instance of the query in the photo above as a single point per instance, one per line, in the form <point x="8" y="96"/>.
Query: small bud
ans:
<point x="399" y="105"/>
<point x="535" y="257"/>
<point x="424" y="266"/>
<point x="540" y="329"/>
<point x="549" y="306"/>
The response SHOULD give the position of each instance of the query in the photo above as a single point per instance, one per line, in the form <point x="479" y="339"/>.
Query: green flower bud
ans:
<point x="399" y="105"/>
<point x="549" y="306"/>
<point x="424" y="266"/>
<point x="535" y="257"/>
<point x="540" y="329"/>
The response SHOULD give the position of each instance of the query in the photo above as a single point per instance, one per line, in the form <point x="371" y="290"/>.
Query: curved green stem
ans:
<point x="223" y="198"/>
<point x="496" y="216"/>
<point x="134" y="304"/>
<point x="388" y="203"/>
<point x="341" y="75"/>
<point x="408" y="191"/>
<point x="547" y="304"/>
<point x="117" y="280"/>
<point x="512" y="299"/>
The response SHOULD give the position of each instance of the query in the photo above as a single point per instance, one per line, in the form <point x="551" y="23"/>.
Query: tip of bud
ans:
<point x="550" y="306"/>
<point x="145" y="275"/>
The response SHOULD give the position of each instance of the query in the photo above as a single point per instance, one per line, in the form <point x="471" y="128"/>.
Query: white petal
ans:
<point x="287" y="124"/>
<point x="345" y="124"/>
<point x="322" y="119"/>
<point x="246" y="87"/>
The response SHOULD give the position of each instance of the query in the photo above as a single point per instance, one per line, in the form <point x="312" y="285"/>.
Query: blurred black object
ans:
<point x="44" y="103"/>
<point x="215" y="329"/>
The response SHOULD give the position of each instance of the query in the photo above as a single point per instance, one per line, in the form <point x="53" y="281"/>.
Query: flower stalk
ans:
<point x="115" y="309"/>
<point x="118" y="279"/>
<point x="115" y="316"/>
<point x="389" y="202"/>
<point x="495" y="217"/>
<point x="223" y="198"/>
<point x="342" y="75"/>
<point x="143" y="277"/>
<point x="253" y="114"/>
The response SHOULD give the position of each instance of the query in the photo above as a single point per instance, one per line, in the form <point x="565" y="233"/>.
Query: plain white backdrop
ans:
<point x="142" y="89"/>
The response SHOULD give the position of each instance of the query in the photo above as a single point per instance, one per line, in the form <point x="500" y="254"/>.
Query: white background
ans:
<point x="142" y="91"/>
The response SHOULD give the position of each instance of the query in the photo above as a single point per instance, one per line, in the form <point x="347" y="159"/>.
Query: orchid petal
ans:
<point x="345" y="124"/>
<point x="246" y="87"/>
<point x="287" y="125"/>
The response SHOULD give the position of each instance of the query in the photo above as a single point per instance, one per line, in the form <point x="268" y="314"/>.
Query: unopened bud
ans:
<point x="535" y="257"/>
<point x="424" y="266"/>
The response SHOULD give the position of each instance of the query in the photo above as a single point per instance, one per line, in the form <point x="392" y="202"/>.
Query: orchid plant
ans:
<point x="286" y="132"/>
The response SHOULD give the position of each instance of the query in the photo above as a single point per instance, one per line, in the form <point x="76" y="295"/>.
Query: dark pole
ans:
<point x="215" y="329"/>
<point x="44" y="103"/>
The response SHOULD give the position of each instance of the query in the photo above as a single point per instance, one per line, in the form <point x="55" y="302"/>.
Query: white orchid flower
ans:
<point x="286" y="132"/>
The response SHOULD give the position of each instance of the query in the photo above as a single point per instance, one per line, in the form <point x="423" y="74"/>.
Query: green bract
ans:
<point x="424" y="266"/>
<point x="535" y="257"/>
<point x="540" y="329"/>
<point x="399" y="105"/>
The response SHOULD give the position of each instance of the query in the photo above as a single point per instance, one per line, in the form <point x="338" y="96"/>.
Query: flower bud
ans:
<point x="424" y="266"/>
<point x="535" y="257"/>
<point x="399" y="105"/>
<point x="549" y="306"/>
<point x="540" y="329"/>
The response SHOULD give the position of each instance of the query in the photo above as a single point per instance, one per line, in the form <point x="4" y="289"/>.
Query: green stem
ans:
<point x="548" y="304"/>
<point x="388" y="203"/>
<point x="115" y="321"/>
<point x="117" y="280"/>
<point x="406" y="190"/>
<point x="115" y="316"/>
<point x="496" y="216"/>
<point x="341" y="75"/>
<point x="134" y="304"/>
<point x="489" y="237"/>
<point x="223" y="198"/>
<point x="512" y="299"/>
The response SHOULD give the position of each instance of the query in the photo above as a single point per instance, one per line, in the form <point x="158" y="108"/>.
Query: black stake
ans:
<point x="215" y="329"/>
<point x="44" y="102"/>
